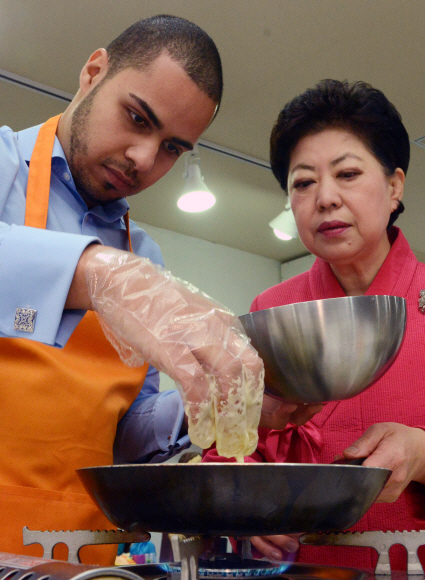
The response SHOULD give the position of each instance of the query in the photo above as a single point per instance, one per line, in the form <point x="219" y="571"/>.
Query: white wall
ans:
<point x="295" y="267"/>
<point x="230" y="276"/>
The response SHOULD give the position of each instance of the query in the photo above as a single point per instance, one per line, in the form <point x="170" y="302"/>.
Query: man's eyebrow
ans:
<point x="148" y="110"/>
<point x="152" y="116"/>
<point x="186" y="144"/>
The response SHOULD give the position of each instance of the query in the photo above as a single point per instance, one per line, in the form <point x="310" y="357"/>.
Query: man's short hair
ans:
<point x="186" y="43"/>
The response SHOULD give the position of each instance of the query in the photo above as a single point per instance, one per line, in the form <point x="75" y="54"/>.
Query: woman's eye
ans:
<point x="302" y="184"/>
<point x="349" y="174"/>
<point x="138" y="119"/>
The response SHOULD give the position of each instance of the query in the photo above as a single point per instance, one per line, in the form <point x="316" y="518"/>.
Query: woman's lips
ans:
<point x="333" y="228"/>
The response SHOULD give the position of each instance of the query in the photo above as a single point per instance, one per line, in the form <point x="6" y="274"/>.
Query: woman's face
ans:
<point x="341" y="198"/>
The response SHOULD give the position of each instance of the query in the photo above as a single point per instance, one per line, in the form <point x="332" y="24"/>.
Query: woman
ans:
<point x="341" y="152"/>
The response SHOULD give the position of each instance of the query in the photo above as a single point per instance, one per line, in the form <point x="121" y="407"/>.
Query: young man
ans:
<point x="64" y="245"/>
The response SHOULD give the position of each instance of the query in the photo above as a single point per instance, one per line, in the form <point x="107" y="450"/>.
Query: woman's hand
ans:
<point x="276" y="414"/>
<point x="396" y="447"/>
<point x="273" y="547"/>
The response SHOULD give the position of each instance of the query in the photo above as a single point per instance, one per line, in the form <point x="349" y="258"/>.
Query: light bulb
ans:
<point x="196" y="195"/>
<point x="282" y="235"/>
<point x="195" y="201"/>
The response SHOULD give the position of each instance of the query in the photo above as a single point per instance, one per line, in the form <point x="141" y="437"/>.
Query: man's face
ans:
<point x="129" y="130"/>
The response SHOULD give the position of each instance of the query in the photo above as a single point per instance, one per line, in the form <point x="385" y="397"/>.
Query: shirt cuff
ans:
<point x="36" y="270"/>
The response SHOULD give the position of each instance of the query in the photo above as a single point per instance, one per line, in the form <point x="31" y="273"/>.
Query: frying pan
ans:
<point x="234" y="499"/>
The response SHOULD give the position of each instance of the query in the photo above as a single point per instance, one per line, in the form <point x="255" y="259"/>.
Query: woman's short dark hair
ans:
<point x="356" y="107"/>
<point x="186" y="43"/>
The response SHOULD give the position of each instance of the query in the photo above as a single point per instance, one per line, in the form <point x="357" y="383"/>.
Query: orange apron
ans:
<point x="59" y="410"/>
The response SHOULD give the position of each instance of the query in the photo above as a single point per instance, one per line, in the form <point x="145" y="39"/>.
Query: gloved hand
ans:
<point x="150" y="316"/>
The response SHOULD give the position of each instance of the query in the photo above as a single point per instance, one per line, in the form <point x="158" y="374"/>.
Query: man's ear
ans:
<point x="94" y="70"/>
<point x="397" y="183"/>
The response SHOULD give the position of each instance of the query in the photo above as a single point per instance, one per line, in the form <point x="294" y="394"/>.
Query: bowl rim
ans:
<point x="305" y="303"/>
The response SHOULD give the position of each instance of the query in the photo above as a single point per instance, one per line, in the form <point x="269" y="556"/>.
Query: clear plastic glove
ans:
<point x="150" y="316"/>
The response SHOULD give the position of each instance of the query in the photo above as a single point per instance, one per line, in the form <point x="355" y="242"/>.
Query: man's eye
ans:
<point x="171" y="148"/>
<point x="138" y="119"/>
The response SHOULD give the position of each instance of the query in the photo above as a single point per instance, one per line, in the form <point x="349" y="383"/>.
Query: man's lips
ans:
<point x="118" y="179"/>
<point x="333" y="228"/>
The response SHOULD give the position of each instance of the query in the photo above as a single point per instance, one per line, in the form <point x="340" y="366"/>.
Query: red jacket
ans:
<point x="399" y="396"/>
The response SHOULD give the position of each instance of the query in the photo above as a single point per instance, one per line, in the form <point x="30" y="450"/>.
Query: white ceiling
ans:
<point x="271" y="51"/>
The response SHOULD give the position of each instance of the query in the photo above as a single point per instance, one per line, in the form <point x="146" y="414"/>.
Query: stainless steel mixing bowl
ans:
<point x="327" y="350"/>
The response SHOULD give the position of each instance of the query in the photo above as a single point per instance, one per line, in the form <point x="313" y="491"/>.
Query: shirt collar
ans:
<point x="112" y="212"/>
<point x="27" y="139"/>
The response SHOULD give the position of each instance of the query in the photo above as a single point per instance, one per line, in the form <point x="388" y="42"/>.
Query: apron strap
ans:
<point x="38" y="188"/>
<point x="127" y="227"/>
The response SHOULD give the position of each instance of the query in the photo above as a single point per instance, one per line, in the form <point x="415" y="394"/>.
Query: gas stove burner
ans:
<point x="231" y="566"/>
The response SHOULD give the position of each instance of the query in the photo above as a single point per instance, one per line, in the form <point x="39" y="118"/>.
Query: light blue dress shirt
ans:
<point x="36" y="270"/>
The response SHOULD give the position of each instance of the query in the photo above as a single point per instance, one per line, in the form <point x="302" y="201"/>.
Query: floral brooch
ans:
<point x="422" y="301"/>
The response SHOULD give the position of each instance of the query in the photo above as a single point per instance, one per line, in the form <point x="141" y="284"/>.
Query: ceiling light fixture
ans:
<point x="420" y="141"/>
<point x="196" y="196"/>
<point x="284" y="225"/>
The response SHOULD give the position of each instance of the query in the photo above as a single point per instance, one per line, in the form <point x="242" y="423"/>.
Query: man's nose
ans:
<point x="327" y="194"/>
<point x="143" y="155"/>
